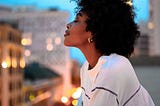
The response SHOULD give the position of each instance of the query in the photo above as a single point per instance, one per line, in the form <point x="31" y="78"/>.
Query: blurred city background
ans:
<point x="36" y="69"/>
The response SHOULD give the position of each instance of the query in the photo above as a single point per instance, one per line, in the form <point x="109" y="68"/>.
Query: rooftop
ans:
<point x="36" y="71"/>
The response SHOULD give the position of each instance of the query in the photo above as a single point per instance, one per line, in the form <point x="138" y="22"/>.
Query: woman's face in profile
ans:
<point x="76" y="34"/>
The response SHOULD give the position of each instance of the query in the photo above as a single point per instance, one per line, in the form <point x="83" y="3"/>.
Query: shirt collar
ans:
<point x="93" y="73"/>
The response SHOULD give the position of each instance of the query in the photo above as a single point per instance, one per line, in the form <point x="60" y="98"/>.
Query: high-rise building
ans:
<point x="11" y="65"/>
<point x="5" y="9"/>
<point x="142" y="44"/>
<point x="154" y="28"/>
<point x="42" y="33"/>
<point x="149" y="41"/>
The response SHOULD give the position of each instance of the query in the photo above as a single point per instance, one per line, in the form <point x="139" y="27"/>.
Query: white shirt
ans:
<point x="112" y="82"/>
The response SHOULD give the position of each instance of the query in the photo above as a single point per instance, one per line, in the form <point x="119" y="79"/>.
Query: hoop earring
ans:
<point x="90" y="40"/>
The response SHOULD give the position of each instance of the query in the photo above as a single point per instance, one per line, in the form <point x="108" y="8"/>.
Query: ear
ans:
<point x="90" y="39"/>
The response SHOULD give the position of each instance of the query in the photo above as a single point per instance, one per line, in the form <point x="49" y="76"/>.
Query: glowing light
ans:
<point x="150" y="25"/>
<point x="57" y="40"/>
<point x="27" y="53"/>
<point x="77" y="93"/>
<point x="14" y="63"/>
<point x="79" y="89"/>
<point x="22" y="63"/>
<point x="4" y="64"/>
<point x="26" y="41"/>
<point x="64" y="99"/>
<point x="31" y="97"/>
<point x="74" y="102"/>
<point x="8" y="61"/>
<point x="49" y="47"/>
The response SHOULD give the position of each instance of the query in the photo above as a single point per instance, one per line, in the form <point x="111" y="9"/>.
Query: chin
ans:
<point x="66" y="44"/>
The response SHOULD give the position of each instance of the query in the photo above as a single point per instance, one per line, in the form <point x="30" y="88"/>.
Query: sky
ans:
<point x="141" y="9"/>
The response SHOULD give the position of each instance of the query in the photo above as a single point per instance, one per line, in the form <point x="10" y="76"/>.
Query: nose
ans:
<point x="68" y="25"/>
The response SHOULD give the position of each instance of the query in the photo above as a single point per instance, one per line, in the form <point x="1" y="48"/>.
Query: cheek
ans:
<point x="78" y="36"/>
<point x="76" y="39"/>
<point x="79" y="32"/>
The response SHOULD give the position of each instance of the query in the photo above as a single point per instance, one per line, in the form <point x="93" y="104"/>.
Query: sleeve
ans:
<point x="140" y="98"/>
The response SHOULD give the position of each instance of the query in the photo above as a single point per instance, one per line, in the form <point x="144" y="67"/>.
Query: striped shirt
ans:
<point x="112" y="82"/>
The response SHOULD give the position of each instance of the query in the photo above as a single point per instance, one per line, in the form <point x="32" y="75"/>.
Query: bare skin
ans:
<point x="77" y="36"/>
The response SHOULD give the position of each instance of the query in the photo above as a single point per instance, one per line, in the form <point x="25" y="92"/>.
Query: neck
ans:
<point x="92" y="55"/>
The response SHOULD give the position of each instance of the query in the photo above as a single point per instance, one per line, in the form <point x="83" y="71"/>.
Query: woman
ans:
<point x="105" y="32"/>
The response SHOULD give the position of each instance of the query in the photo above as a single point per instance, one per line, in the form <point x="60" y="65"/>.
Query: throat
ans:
<point x="92" y="64"/>
<point x="93" y="61"/>
<point x="89" y="67"/>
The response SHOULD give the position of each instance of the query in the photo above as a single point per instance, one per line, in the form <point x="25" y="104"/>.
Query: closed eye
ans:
<point x="75" y="21"/>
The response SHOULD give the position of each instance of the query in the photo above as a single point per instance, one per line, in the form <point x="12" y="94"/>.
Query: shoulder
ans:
<point x="116" y="63"/>
<point x="117" y="72"/>
<point x="117" y="67"/>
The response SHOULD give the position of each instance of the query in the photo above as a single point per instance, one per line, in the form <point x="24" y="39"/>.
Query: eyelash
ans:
<point x="75" y="21"/>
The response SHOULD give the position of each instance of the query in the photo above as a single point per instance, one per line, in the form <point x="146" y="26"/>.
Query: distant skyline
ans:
<point x="141" y="8"/>
<point x="62" y="5"/>
<point x="68" y="5"/>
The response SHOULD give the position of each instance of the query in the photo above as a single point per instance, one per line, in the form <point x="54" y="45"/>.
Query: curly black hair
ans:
<point x="112" y="25"/>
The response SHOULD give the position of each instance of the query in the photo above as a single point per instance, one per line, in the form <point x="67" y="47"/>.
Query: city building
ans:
<point x="5" y="9"/>
<point x="42" y="38"/>
<point x="154" y="28"/>
<point x="42" y="86"/>
<point x="142" y="44"/>
<point x="11" y="65"/>
<point x="148" y="44"/>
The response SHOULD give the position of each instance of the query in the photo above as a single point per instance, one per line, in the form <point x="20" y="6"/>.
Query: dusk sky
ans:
<point x="141" y="8"/>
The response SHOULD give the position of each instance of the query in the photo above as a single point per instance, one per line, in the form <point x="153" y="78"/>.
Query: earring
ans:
<point x="90" y="40"/>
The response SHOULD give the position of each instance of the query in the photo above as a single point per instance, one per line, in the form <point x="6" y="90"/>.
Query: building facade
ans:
<point x="43" y="35"/>
<point x="149" y="41"/>
<point x="154" y="28"/>
<point x="11" y="66"/>
<point x="142" y="44"/>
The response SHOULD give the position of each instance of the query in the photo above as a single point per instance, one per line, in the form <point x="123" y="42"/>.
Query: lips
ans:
<point x="66" y="33"/>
